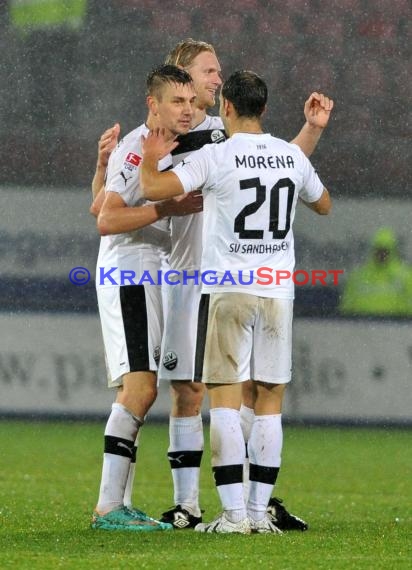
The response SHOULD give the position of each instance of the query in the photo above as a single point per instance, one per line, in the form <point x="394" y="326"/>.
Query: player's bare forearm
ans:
<point x="98" y="180"/>
<point x="183" y="205"/>
<point x="317" y="111"/>
<point x="157" y="185"/>
<point x="308" y="138"/>
<point x="97" y="203"/>
<point x="323" y="206"/>
<point x="122" y="220"/>
<point x="106" y="144"/>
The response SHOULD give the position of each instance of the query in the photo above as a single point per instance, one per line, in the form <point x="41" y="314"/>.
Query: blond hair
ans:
<point x="185" y="52"/>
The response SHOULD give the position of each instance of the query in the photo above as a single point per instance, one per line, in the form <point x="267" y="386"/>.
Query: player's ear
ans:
<point x="152" y="104"/>
<point x="227" y="105"/>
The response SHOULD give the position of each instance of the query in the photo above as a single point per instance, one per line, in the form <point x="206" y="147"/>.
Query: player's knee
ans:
<point x="249" y="394"/>
<point x="187" y="398"/>
<point x="139" y="392"/>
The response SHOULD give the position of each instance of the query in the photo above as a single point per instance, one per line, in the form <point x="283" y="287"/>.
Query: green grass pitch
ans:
<point x="353" y="486"/>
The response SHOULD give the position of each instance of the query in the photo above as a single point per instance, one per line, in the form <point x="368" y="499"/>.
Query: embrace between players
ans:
<point x="149" y="192"/>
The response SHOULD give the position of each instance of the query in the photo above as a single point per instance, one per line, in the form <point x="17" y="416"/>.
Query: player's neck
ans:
<point x="199" y="116"/>
<point x="250" y="126"/>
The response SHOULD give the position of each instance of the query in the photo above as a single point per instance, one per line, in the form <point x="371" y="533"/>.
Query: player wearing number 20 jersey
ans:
<point x="251" y="184"/>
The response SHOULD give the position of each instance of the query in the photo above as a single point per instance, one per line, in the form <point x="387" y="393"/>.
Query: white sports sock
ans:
<point x="247" y="416"/>
<point x="121" y="430"/>
<point x="265" y="447"/>
<point x="228" y="455"/>
<point x="186" y="436"/>
<point x="128" y="492"/>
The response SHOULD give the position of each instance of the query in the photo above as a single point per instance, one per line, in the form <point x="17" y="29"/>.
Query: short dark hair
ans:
<point x="163" y="75"/>
<point x="247" y="92"/>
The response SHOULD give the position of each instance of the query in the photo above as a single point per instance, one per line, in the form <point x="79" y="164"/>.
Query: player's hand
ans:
<point x="318" y="109"/>
<point x="107" y="143"/>
<point x="189" y="203"/>
<point x="157" y="145"/>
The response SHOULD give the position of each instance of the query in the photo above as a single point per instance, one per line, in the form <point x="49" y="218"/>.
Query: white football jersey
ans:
<point x="186" y="231"/>
<point x="139" y="250"/>
<point x="251" y="184"/>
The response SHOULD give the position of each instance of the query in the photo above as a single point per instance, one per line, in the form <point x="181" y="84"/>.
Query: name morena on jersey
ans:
<point x="262" y="161"/>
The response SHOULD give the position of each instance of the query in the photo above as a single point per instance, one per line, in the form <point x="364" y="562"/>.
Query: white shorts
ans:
<point x="132" y="324"/>
<point x="179" y="338"/>
<point x="244" y="337"/>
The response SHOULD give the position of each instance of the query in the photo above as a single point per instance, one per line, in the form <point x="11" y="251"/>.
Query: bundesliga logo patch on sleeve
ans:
<point x="130" y="164"/>
<point x="133" y="159"/>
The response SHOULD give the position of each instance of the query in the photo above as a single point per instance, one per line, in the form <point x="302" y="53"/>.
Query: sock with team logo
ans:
<point x="185" y="455"/>
<point x="119" y="437"/>
<point x="228" y="455"/>
<point x="265" y="448"/>
<point x="247" y="416"/>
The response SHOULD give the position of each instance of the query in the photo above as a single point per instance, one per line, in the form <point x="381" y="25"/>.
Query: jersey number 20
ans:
<point x="274" y="208"/>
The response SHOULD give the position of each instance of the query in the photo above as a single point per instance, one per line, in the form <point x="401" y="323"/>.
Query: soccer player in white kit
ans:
<point x="251" y="185"/>
<point x="131" y="311"/>
<point x="178" y="344"/>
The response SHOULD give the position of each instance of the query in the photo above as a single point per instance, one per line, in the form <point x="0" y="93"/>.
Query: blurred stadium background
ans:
<point x="71" y="68"/>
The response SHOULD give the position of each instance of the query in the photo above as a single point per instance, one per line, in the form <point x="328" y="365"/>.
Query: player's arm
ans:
<point x="317" y="111"/>
<point x="154" y="184"/>
<point x="97" y="203"/>
<point x="107" y="143"/>
<point x="116" y="217"/>
<point x="322" y="206"/>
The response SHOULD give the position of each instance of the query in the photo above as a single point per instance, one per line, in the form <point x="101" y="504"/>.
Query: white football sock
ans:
<point x="228" y="455"/>
<point x="128" y="492"/>
<point x="265" y="448"/>
<point x="120" y="434"/>
<point x="247" y="416"/>
<point x="185" y="454"/>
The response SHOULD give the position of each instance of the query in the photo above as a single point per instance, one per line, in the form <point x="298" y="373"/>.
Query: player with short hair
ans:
<point x="131" y="314"/>
<point x="178" y="345"/>
<point x="251" y="184"/>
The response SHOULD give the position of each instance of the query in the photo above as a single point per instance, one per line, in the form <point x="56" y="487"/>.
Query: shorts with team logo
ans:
<point x="131" y="317"/>
<point x="179" y="338"/>
<point x="244" y="337"/>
